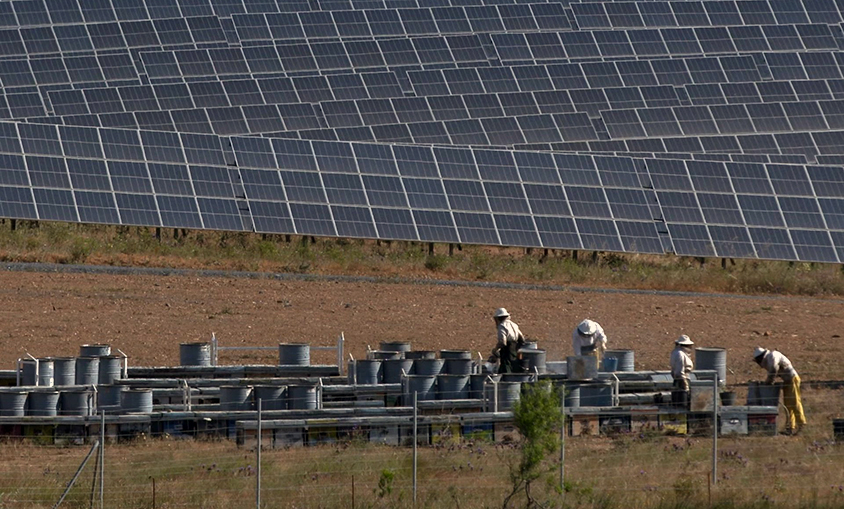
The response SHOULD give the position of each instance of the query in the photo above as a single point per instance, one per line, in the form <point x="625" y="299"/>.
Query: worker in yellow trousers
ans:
<point x="777" y="364"/>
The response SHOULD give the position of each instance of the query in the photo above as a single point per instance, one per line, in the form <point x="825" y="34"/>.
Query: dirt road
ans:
<point x="147" y="316"/>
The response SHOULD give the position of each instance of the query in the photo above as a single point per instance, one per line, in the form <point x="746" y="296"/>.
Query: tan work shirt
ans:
<point x="508" y="332"/>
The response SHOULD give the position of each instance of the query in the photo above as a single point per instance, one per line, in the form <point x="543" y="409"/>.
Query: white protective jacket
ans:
<point x="778" y="365"/>
<point x="681" y="364"/>
<point x="578" y="340"/>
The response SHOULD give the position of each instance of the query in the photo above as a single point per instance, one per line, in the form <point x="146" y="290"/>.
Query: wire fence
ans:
<point x="642" y="468"/>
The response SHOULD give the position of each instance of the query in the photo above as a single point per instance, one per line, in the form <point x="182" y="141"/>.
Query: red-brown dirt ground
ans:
<point x="51" y="314"/>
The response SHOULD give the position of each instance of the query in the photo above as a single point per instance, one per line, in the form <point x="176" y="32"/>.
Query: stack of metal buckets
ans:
<point x="81" y="385"/>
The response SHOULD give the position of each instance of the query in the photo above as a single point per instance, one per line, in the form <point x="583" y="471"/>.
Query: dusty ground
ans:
<point x="51" y="314"/>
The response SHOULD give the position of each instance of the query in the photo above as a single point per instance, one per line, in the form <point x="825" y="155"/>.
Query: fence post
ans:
<point x="258" y="467"/>
<point x="563" y="442"/>
<point x="102" y="456"/>
<point x="415" y="441"/>
<point x="715" y="430"/>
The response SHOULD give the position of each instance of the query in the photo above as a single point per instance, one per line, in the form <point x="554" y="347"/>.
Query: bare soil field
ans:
<point x="51" y="314"/>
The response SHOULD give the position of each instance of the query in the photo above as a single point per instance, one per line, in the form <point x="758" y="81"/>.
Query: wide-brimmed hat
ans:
<point x="684" y="341"/>
<point x="759" y="352"/>
<point x="587" y="327"/>
<point x="501" y="313"/>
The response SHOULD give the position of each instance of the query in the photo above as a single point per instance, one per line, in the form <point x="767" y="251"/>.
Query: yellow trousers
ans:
<point x="793" y="405"/>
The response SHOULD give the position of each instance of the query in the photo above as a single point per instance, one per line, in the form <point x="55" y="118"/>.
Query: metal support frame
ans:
<point x="215" y="349"/>
<point x="258" y="460"/>
<point x="715" y="430"/>
<point x="125" y="363"/>
<point x="20" y="369"/>
<point x="415" y="443"/>
<point x="78" y="471"/>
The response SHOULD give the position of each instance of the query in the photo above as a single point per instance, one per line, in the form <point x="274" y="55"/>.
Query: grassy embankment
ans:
<point x="130" y="246"/>
<point x="644" y="470"/>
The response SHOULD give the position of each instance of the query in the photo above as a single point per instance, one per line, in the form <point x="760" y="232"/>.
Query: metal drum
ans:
<point x="391" y="370"/>
<point x="294" y="354"/>
<point x="530" y="345"/>
<point x="429" y="367"/>
<point x="45" y="372"/>
<point x="64" y="371"/>
<point x="109" y="395"/>
<point x="459" y="366"/>
<point x="625" y="359"/>
<point x="516" y="377"/>
<point x="273" y="397"/>
<point x="13" y="403"/>
<point x="87" y="370"/>
<point x="94" y="350"/>
<point x="572" y="398"/>
<point x="195" y="354"/>
<point x="596" y="394"/>
<point x="759" y="394"/>
<point x="43" y="403"/>
<point x="136" y="401"/>
<point x="422" y="385"/>
<point x="534" y="359"/>
<point x="395" y="346"/>
<point x="507" y="395"/>
<point x="476" y="384"/>
<point x="420" y="354"/>
<point x="455" y="354"/>
<point x="302" y="397"/>
<point x="714" y="359"/>
<point x="453" y="387"/>
<point x="383" y="355"/>
<point x="235" y="398"/>
<point x="367" y="372"/>
<point x="76" y="402"/>
<point x="110" y="370"/>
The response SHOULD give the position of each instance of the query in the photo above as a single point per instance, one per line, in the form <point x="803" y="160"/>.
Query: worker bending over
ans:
<point x="778" y="365"/>
<point x="510" y="339"/>
<point x="681" y="366"/>
<point x="589" y="339"/>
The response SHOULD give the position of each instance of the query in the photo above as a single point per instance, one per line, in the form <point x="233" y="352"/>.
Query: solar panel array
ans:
<point x="703" y="128"/>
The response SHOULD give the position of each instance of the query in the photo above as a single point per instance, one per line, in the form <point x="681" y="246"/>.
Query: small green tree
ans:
<point x="538" y="417"/>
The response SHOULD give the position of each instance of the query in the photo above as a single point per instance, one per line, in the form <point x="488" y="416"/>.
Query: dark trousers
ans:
<point x="680" y="394"/>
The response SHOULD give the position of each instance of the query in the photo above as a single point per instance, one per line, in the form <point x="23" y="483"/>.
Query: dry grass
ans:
<point x="124" y="246"/>
<point x="630" y="470"/>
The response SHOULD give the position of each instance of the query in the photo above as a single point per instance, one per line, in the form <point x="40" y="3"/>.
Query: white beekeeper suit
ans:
<point x="681" y="366"/>
<point x="681" y="361"/>
<point x="588" y="338"/>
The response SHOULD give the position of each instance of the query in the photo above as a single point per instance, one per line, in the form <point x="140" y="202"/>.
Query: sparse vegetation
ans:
<point x="135" y="246"/>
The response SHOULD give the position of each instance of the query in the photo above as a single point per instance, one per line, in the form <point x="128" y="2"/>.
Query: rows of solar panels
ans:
<point x="710" y="128"/>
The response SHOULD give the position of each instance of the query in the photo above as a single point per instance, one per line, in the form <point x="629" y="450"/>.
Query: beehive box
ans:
<point x="248" y="438"/>
<point x="676" y="424"/>
<point x="733" y="421"/>
<point x="423" y="434"/>
<point x="445" y="433"/>
<point x="384" y="434"/>
<point x="478" y="431"/>
<point x="70" y="434"/>
<point x="614" y="424"/>
<point x="762" y="424"/>
<point x="700" y="423"/>
<point x="288" y="437"/>
<point x="583" y="424"/>
<point x="644" y="419"/>
<point x="700" y="396"/>
<point x="322" y="435"/>
<point x="39" y="433"/>
<point x="505" y="432"/>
